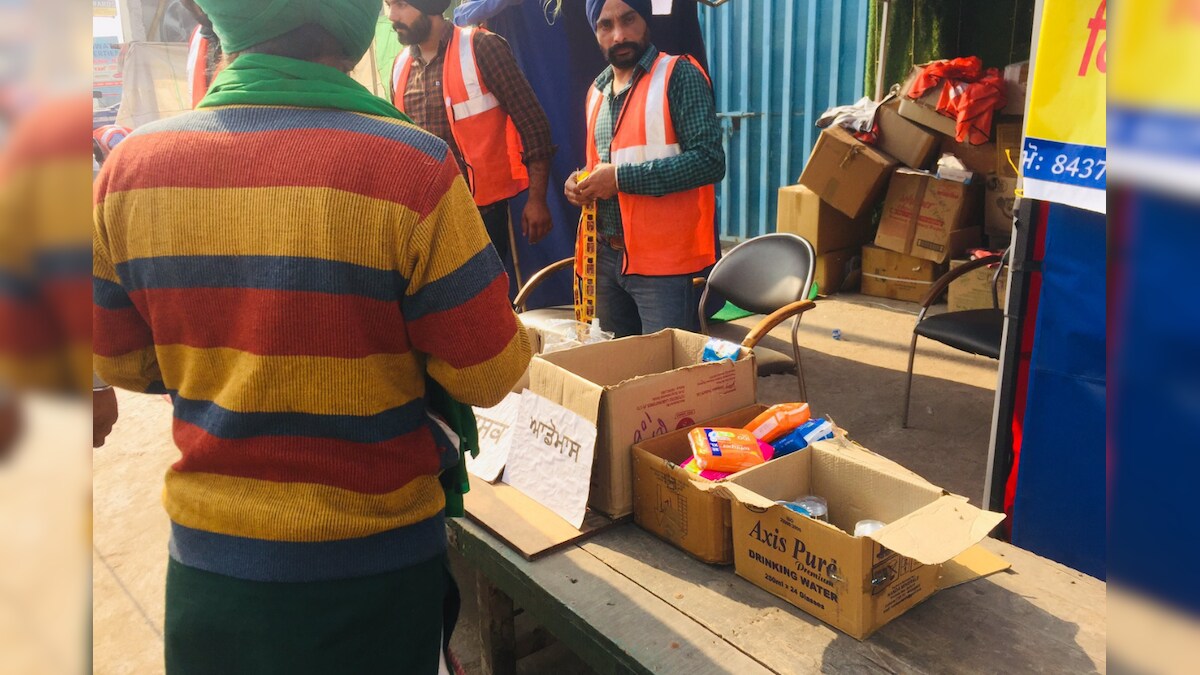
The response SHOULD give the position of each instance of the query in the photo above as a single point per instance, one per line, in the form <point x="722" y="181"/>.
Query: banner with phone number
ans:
<point x="1065" y="157"/>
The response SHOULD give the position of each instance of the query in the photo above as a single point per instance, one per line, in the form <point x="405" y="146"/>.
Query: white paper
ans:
<point x="495" y="426"/>
<point x="550" y="459"/>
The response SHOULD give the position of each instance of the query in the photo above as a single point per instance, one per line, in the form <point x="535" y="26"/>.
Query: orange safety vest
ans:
<point x="196" y="65"/>
<point x="667" y="235"/>
<point x="483" y="131"/>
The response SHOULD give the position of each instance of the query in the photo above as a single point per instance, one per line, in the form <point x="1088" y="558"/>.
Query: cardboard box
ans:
<point x="977" y="158"/>
<point x="855" y="584"/>
<point x="999" y="200"/>
<point x="1008" y="143"/>
<point x="887" y="274"/>
<point x="834" y="269"/>
<point x="1016" y="86"/>
<point x="637" y="388"/>
<point x="973" y="290"/>
<point x="910" y="143"/>
<point x="667" y="501"/>
<point x="802" y="212"/>
<point x="845" y="172"/>
<point x="923" y="111"/>
<point x="929" y="218"/>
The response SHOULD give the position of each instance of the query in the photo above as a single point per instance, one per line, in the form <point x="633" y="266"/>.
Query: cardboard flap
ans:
<point x="936" y="533"/>
<point x="842" y="444"/>
<point x="974" y="563"/>
<point x="565" y="388"/>
<point x="734" y="492"/>
<point x="527" y="526"/>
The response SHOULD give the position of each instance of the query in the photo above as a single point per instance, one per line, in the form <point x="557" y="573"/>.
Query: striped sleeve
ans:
<point x="456" y="305"/>
<point x="123" y="353"/>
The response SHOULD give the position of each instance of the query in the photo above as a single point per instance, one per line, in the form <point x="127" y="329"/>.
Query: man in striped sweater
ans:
<point x="290" y="262"/>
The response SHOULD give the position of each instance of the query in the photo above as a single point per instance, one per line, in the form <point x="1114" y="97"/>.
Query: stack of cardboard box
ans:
<point x="925" y="221"/>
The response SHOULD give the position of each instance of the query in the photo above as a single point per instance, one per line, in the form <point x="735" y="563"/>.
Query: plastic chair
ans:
<point x="976" y="331"/>
<point x="771" y="274"/>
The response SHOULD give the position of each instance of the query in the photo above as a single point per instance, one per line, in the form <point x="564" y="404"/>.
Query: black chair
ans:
<point x="976" y="331"/>
<point x="772" y="275"/>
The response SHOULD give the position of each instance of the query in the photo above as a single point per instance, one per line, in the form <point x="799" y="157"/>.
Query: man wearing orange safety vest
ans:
<point x="653" y="154"/>
<point x="204" y="54"/>
<point x="464" y="85"/>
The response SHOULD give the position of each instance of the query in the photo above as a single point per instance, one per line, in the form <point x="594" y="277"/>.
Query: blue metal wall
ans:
<point x="776" y="66"/>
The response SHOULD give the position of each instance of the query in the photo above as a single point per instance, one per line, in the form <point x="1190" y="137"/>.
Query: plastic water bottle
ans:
<point x="864" y="527"/>
<point x="810" y="505"/>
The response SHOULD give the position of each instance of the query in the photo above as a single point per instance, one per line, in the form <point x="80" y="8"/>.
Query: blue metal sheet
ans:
<point x="776" y="66"/>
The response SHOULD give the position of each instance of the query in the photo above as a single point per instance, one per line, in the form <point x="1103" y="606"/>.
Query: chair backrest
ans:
<point x="996" y="278"/>
<point x="765" y="273"/>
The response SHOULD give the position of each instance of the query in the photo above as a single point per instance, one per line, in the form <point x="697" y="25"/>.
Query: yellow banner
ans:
<point x="1154" y="111"/>
<point x="1064" y="157"/>
<point x="1159" y="43"/>
<point x="1067" y="95"/>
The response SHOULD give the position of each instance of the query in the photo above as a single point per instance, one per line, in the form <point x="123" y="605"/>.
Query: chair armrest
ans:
<point x="536" y="280"/>
<point x="775" y="318"/>
<point x="945" y="280"/>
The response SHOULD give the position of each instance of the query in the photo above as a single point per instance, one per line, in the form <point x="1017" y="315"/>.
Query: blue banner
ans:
<point x="1065" y="163"/>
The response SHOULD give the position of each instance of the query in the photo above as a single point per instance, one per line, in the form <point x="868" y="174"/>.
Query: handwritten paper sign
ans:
<point x="550" y="458"/>
<point x="495" y="426"/>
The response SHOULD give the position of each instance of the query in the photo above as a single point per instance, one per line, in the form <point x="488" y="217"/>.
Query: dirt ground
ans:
<point x="857" y="380"/>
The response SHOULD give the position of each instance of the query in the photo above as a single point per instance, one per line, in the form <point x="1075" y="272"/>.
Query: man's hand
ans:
<point x="535" y="221"/>
<point x="571" y="190"/>
<point x="104" y="415"/>
<point x="601" y="183"/>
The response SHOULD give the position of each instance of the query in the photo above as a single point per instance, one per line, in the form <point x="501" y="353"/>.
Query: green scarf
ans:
<point x="261" y="79"/>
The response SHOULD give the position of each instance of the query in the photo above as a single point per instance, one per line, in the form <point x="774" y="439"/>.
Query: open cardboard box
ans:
<point x="856" y="584"/>
<point x="667" y="504"/>
<point x="637" y="388"/>
<point x="678" y="506"/>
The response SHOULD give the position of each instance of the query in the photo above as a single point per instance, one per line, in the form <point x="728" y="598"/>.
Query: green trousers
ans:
<point x="388" y="623"/>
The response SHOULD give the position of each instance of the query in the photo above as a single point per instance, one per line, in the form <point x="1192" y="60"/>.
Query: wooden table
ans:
<point x="625" y="601"/>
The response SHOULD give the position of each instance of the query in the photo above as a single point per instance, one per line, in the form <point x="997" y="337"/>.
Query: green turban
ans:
<point x="241" y="24"/>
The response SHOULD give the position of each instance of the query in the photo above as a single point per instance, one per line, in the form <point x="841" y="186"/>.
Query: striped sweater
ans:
<point x="290" y="276"/>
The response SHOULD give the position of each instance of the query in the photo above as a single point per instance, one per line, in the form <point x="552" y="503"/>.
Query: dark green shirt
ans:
<point x="702" y="157"/>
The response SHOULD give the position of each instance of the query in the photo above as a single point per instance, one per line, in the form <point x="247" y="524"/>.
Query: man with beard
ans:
<point x="464" y="85"/>
<point x="204" y="53"/>
<point x="653" y="154"/>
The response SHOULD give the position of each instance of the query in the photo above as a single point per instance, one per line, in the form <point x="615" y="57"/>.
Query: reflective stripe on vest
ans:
<point x="400" y="77"/>
<point x="656" y="146"/>
<point x="197" y="61"/>
<point x="477" y="102"/>
<point x="485" y="134"/>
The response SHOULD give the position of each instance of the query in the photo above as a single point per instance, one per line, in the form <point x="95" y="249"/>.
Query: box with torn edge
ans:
<point x="856" y="584"/>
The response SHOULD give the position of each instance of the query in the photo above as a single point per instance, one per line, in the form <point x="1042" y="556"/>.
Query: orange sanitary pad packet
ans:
<point x="725" y="450"/>
<point x="778" y="420"/>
